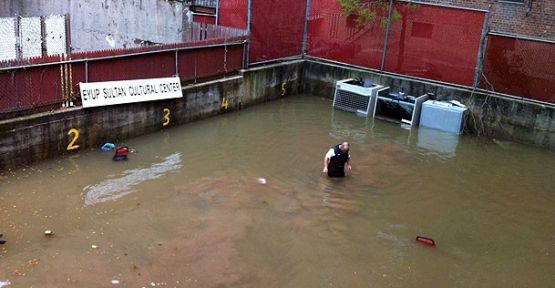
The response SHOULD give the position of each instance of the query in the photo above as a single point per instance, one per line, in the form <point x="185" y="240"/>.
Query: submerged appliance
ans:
<point x="446" y="116"/>
<point x="356" y="96"/>
<point x="399" y="107"/>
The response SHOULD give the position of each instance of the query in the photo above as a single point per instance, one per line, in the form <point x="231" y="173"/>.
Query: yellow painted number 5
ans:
<point x="166" y="117"/>
<point x="75" y="134"/>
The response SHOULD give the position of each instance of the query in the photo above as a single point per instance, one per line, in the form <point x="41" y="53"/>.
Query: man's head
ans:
<point x="344" y="147"/>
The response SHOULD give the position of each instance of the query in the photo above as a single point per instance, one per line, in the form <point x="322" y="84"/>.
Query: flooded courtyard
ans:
<point x="239" y="200"/>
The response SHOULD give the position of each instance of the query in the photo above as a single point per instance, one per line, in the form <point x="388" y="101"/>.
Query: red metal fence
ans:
<point x="45" y="83"/>
<point x="425" y="41"/>
<point x="435" y="43"/>
<point x="335" y="37"/>
<point x="520" y="67"/>
<point x="233" y="13"/>
<point x="277" y="29"/>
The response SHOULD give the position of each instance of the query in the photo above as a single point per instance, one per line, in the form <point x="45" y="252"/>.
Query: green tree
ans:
<point x="368" y="11"/>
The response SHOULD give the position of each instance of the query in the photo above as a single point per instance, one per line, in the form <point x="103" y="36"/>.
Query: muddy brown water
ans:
<point x="187" y="209"/>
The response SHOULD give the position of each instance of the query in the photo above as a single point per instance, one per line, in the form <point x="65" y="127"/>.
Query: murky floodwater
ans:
<point x="187" y="210"/>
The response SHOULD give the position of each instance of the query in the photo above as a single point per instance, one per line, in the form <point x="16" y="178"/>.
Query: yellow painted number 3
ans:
<point x="75" y="134"/>
<point x="166" y="117"/>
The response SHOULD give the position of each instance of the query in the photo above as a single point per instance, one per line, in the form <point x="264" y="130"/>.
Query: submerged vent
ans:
<point x="350" y="101"/>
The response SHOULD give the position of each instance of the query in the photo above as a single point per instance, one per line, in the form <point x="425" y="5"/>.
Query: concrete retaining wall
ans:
<point x="491" y="116"/>
<point x="29" y="139"/>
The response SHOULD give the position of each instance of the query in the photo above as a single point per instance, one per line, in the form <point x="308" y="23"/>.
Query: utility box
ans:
<point x="443" y="115"/>
<point x="356" y="96"/>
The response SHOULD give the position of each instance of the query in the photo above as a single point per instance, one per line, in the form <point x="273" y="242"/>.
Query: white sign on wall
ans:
<point x="129" y="91"/>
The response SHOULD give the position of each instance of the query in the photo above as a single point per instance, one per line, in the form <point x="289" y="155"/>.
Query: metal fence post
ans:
<point x="217" y="12"/>
<point x="389" y="17"/>
<point x="481" y="52"/>
<point x="305" y="36"/>
<point x="249" y="24"/>
<point x="18" y="43"/>
<point x="86" y="71"/>
<point x="176" y="62"/>
<point x="68" y="33"/>
<point x="43" y="36"/>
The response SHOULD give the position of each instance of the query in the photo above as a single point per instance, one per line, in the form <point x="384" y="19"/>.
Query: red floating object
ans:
<point x="425" y="240"/>
<point x="121" y="153"/>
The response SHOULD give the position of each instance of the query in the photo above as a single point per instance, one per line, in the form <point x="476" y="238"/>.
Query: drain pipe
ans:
<point x="389" y="17"/>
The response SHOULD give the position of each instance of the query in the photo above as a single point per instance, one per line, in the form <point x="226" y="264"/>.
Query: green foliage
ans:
<point x="368" y="11"/>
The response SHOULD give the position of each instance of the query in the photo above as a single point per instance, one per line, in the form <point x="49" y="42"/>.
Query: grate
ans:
<point x="351" y="102"/>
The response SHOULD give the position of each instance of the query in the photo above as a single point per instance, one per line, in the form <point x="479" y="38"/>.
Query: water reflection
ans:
<point x="113" y="189"/>
<point x="438" y="143"/>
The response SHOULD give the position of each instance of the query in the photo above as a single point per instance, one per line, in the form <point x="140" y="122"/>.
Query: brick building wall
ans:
<point x="533" y="17"/>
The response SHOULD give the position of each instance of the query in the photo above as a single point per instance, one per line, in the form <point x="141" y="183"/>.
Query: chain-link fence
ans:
<point x="424" y="41"/>
<point x="519" y="66"/>
<point x="8" y="39"/>
<point x="27" y="37"/>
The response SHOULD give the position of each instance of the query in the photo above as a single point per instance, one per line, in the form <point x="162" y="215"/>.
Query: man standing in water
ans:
<point x="335" y="160"/>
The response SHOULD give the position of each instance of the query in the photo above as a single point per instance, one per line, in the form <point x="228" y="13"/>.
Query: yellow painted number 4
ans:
<point x="75" y="134"/>
<point x="225" y="103"/>
<point x="166" y="117"/>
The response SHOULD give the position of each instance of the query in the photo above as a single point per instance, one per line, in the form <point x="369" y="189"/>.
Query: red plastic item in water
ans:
<point x="121" y="154"/>
<point x="425" y="240"/>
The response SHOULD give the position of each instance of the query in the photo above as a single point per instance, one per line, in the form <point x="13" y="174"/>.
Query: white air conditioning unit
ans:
<point x="356" y="96"/>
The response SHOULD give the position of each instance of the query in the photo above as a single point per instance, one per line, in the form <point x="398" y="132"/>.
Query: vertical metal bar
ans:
<point x="18" y="44"/>
<point x="68" y="34"/>
<point x="245" y="55"/>
<point x="217" y="12"/>
<point x="481" y="52"/>
<point x="43" y="35"/>
<point x="305" y="36"/>
<point x="86" y="71"/>
<point x="176" y="62"/>
<point x="249" y="24"/>
<point x="389" y="17"/>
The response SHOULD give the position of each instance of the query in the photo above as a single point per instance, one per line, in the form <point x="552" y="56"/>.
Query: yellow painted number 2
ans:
<point x="166" y="117"/>
<point x="75" y="134"/>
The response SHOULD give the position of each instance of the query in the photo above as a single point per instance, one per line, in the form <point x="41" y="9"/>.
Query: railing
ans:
<point x="203" y="3"/>
<point x="40" y="84"/>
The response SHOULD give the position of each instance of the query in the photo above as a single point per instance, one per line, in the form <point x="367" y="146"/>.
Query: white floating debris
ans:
<point x="94" y="246"/>
<point x="4" y="283"/>
<point x="152" y="284"/>
<point x="115" y="282"/>
<point x="48" y="232"/>
<point x="262" y="181"/>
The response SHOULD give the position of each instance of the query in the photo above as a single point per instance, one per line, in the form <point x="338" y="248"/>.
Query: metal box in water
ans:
<point x="399" y="107"/>
<point x="356" y="96"/>
<point x="442" y="115"/>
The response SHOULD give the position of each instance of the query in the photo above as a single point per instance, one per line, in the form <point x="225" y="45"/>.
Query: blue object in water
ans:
<point x="108" y="147"/>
